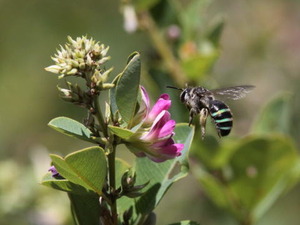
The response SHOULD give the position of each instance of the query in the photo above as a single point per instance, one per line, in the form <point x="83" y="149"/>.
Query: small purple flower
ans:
<point x="54" y="172"/>
<point x="154" y="138"/>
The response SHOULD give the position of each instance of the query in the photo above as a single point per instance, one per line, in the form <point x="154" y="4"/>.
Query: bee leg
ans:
<point x="203" y="117"/>
<point x="192" y="113"/>
<point x="219" y="133"/>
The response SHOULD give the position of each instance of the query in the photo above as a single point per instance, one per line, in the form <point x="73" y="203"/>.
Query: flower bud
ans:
<point x="107" y="113"/>
<point x="129" y="188"/>
<point x="55" y="173"/>
<point x="65" y="92"/>
<point x="107" y="86"/>
<point x="127" y="215"/>
<point x="78" y="56"/>
<point x="53" y="170"/>
<point x="53" y="69"/>
<point x="105" y="74"/>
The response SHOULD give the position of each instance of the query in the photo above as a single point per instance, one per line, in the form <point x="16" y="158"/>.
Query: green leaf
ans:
<point x="162" y="175"/>
<point x="63" y="185"/>
<point x="127" y="88"/>
<point x="258" y="172"/>
<point x="85" y="209"/>
<point x="121" y="132"/>
<point x="197" y="66"/>
<point x="112" y="95"/>
<point x="186" y="222"/>
<point x="86" y="167"/>
<point x="275" y="117"/>
<point x="71" y="128"/>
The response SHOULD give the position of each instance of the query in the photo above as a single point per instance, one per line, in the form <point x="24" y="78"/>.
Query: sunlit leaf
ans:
<point x="86" y="167"/>
<point x="64" y="185"/>
<point x="121" y="132"/>
<point x="71" y="128"/>
<point x="112" y="96"/>
<point x="127" y="88"/>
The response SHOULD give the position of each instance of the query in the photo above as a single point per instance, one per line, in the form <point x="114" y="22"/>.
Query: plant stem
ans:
<point x="100" y="118"/>
<point x="163" y="49"/>
<point x="112" y="183"/>
<point x="111" y="164"/>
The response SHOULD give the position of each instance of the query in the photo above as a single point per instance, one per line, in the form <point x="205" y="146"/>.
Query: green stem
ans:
<point x="112" y="183"/>
<point x="100" y="118"/>
<point x="163" y="49"/>
<point x="111" y="199"/>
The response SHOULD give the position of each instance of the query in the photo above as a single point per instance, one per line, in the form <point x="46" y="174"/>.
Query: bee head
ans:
<point x="183" y="94"/>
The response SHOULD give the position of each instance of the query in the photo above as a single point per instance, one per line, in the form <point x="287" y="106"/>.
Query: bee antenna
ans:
<point x="174" y="88"/>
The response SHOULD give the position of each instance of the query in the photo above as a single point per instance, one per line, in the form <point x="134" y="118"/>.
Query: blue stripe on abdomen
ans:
<point x="223" y="120"/>
<point x="222" y="117"/>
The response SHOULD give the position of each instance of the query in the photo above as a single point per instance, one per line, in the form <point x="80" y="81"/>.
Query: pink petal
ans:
<point x="168" y="152"/>
<point x="145" y="97"/>
<point x="165" y="96"/>
<point x="158" y="123"/>
<point x="171" y="151"/>
<point x="164" y="142"/>
<point x="161" y="119"/>
<point x="164" y="153"/>
<point x="163" y="103"/>
<point x="179" y="147"/>
<point x="167" y="129"/>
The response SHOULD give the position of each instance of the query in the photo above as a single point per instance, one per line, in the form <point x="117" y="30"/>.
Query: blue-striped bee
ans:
<point x="200" y="100"/>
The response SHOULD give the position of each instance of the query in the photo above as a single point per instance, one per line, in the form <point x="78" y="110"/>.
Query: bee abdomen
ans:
<point x="222" y="117"/>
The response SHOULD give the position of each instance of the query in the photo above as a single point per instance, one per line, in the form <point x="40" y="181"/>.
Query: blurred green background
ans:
<point x="260" y="46"/>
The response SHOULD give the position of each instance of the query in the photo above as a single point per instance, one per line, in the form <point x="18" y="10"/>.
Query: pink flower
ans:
<point x="163" y="103"/>
<point x="154" y="137"/>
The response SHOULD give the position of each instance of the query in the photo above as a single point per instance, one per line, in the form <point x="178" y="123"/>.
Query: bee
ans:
<point x="202" y="101"/>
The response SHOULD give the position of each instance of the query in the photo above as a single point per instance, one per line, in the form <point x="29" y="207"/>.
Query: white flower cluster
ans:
<point x="78" y="57"/>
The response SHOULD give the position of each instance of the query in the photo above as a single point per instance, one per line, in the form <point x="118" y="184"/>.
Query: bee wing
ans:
<point x="234" y="93"/>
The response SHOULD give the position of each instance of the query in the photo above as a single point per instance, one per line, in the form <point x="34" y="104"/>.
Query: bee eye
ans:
<point x="182" y="96"/>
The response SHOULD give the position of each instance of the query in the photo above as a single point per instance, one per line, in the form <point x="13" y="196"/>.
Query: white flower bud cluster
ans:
<point x="79" y="56"/>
